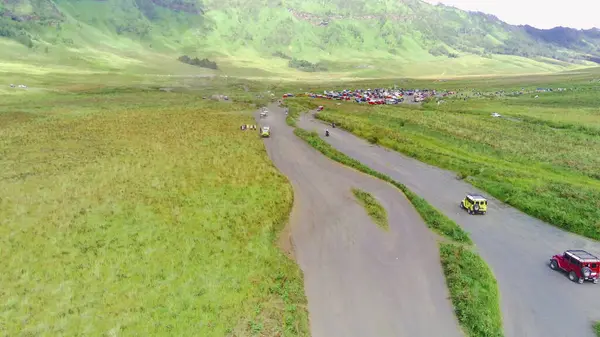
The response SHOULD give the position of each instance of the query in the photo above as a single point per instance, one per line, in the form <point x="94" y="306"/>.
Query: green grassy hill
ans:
<point x="282" y="38"/>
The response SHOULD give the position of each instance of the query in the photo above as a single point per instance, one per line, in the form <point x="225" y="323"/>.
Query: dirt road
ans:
<point x="536" y="301"/>
<point x="359" y="280"/>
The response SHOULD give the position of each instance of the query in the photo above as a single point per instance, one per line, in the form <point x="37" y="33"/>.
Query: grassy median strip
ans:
<point x="597" y="328"/>
<point x="473" y="289"/>
<point x="373" y="208"/>
<point x="472" y="285"/>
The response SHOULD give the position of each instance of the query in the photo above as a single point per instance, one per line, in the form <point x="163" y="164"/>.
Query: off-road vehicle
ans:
<point x="265" y="131"/>
<point x="578" y="264"/>
<point x="474" y="204"/>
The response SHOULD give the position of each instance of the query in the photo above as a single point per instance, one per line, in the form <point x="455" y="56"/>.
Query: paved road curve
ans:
<point x="359" y="280"/>
<point x="536" y="301"/>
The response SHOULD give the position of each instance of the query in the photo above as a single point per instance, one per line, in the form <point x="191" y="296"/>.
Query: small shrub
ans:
<point x="204" y="63"/>
<point x="304" y="65"/>
<point x="281" y="55"/>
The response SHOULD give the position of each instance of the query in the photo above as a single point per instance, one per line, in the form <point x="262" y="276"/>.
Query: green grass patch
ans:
<point x="141" y="213"/>
<point x="474" y="291"/>
<point x="374" y="209"/>
<point x="432" y="217"/>
<point x="597" y="328"/>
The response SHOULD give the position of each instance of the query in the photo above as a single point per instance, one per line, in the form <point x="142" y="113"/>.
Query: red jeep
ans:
<point x="579" y="264"/>
<point x="320" y="108"/>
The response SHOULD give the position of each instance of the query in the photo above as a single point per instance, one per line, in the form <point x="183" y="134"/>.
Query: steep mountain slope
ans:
<point x="281" y="36"/>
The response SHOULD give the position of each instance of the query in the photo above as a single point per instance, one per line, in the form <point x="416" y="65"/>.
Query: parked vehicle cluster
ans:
<point x="379" y="96"/>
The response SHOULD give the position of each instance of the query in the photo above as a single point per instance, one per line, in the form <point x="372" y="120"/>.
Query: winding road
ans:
<point x="536" y="301"/>
<point x="359" y="279"/>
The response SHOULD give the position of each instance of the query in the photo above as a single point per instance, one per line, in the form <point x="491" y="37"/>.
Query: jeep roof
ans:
<point x="582" y="256"/>
<point x="475" y="197"/>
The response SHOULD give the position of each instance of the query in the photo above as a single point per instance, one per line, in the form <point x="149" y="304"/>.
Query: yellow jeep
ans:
<point x="474" y="204"/>
<point x="265" y="131"/>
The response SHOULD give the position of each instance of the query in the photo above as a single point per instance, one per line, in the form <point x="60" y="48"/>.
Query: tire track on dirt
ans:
<point x="536" y="301"/>
<point x="359" y="280"/>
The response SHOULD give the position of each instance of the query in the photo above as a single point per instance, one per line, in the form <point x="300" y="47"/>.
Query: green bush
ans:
<point x="204" y="63"/>
<point x="306" y="66"/>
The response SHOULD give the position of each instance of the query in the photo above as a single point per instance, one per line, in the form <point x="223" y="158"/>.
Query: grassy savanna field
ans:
<point x="542" y="161"/>
<point x="129" y="209"/>
<point x="141" y="212"/>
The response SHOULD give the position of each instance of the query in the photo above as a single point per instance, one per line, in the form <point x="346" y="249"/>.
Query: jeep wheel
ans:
<point x="462" y="205"/>
<point x="572" y="276"/>
<point x="586" y="272"/>
<point x="553" y="265"/>
<point x="595" y="281"/>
